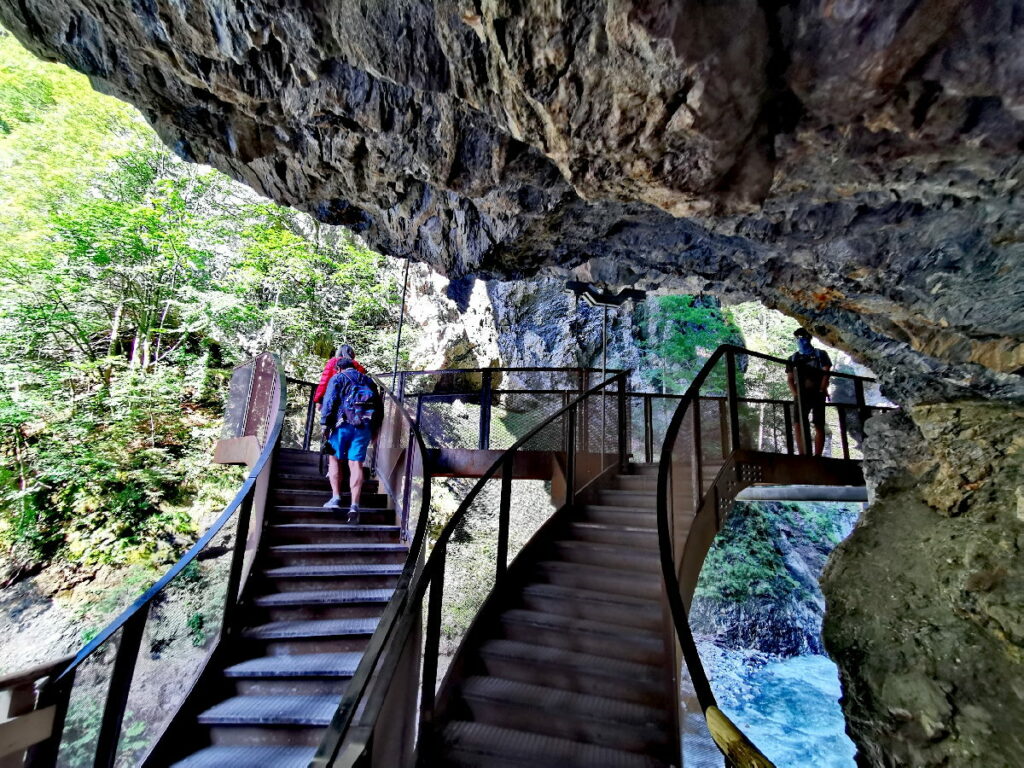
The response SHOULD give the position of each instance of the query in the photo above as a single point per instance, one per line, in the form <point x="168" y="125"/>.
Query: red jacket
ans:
<point x="329" y="370"/>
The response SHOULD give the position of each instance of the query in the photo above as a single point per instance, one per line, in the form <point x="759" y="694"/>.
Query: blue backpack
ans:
<point x="359" y="401"/>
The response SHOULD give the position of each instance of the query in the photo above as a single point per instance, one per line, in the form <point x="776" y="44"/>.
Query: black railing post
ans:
<point x="698" y="459"/>
<point x="733" y="398"/>
<point x="803" y="423"/>
<point x="843" y="412"/>
<point x="858" y="392"/>
<point x="570" y="457"/>
<point x="648" y="429"/>
<point x="501" y="563"/>
<point x="788" y="418"/>
<point x="120" y="684"/>
<point x="485" y="412"/>
<point x="307" y="437"/>
<point x="432" y="637"/>
<point x="55" y="693"/>
<point x="231" y="596"/>
<point x="623" y="422"/>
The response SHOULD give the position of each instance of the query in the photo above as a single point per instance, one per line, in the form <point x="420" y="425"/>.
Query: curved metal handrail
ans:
<point x="415" y="588"/>
<point x="733" y="743"/>
<point x="183" y="562"/>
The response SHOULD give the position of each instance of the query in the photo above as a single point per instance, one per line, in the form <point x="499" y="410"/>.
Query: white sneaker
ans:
<point x="334" y="503"/>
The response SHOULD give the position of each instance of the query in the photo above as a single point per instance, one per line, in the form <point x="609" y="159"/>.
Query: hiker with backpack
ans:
<point x="351" y="410"/>
<point x="808" y="375"/>
<point x="345" y="350"/>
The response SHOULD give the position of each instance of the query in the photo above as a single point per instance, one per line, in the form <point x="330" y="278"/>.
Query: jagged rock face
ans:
<point x="854" y="164"/>
<point x="924" y="607"/>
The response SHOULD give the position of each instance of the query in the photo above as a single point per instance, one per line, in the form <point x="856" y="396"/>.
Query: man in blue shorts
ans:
<point x="346" y="416"/>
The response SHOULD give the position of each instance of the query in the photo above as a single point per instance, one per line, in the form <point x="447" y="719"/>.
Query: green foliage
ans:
<point x="130" y="284"/>
<point x="683" y="332"/>
<point x="744" y="562"/>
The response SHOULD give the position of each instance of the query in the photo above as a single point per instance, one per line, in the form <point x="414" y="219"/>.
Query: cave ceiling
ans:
<point x="854" y="163"/>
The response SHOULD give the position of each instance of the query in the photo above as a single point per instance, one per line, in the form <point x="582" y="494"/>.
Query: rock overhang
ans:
<point x="856" y="165"/>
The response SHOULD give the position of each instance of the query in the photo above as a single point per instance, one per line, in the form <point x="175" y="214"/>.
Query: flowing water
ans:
<point x="790" y="709"/>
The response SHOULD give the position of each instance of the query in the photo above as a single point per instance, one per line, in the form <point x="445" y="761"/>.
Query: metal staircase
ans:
<point x="319" y="587"/>
<point x="325" y="643"/>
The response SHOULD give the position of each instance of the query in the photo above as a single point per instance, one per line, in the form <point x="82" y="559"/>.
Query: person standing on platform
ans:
<point x="808" y="375"/>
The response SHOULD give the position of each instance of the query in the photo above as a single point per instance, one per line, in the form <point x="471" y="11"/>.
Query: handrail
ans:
<point x="195" y="549"/>
<point x="55" y="693"/>
<point x="413" y="585"/>
<point x="733" y="743"/>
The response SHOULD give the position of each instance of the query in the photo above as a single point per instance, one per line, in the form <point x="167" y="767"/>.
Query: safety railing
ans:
<point x="110" y="703"/>
<point x="487" y="408"/>
<point x="734" y="427"/>
<point x="397" y="680"/>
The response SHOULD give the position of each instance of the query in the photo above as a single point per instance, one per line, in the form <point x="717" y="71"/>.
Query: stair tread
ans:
<point x="573" y="624"/>
<point x="619" y="509"/>
<point x="356" y="569"/>
<point x="336" y="527"/>
<point x="279" y="630"/>
<point x="328" y="547"/>
<point x="558" y="702"/>
<point x="298" y="665"/>
<point x="587" y="569"/>
<point x="537" y="749"/>
<point x="618" y="549"/>
<point x="615" y="527"/>
<point x="325" y="597"/>
<point x="272" y="710"/>
<point x="249" y="757"/>
<point x="342" y="510"/>
<point x="628" y="492"/>
<point x="576" y="594"/>
<point x="587" y="664"/>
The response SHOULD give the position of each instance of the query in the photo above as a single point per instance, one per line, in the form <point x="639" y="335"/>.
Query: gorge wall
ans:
<point x="856" y="165"/>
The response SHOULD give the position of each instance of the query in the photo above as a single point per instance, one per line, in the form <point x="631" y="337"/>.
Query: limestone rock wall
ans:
<point x="925" y="614"/>
<point x="856" y="165"/>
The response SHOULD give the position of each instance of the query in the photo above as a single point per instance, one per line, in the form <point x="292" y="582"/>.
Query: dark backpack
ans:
<point x="359" y="402"/>
<point x="808" y="369"/>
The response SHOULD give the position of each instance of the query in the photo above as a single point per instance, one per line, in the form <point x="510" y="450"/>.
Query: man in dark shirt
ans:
<point x="808" y="381"/>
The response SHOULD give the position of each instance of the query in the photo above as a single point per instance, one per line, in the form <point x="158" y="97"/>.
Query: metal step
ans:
<point x="615" y="515"/>
<point x="573" y="671"/>
<point x="303" y="665"/>
<point x="596" y="578"/>
<point x="249" y="757"/>
<point x="315" y="497"/>
<point x="480" y="744"/>
<point x="322" y="604"/>
<point x="629" y="559"/>
<point x="337" y="554"/>
<point x="303" y="578"/>
<point x="584" y="635"/>
<point x="279" y="638"/>
<point x="623" y="535"/>
<point x="645" y="483"/>
<point x="336" y="533"/>
<point x="553" y="712"/>
<point x="269" y="720"/>
<point x="596" y="606"/>
<point x="635" y="499"/>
